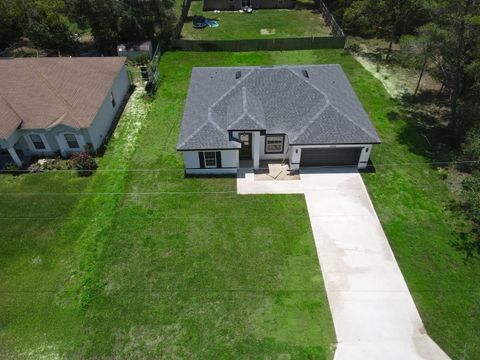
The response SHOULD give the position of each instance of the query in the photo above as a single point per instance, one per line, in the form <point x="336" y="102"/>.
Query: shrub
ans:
<point x="83" y="162"/>
<point x="443" y="172"/>
<point x="471" y="151"/>
<point x="35" y="168"/>
<point x="12" y="167"/>
<point x="89" y="149"/>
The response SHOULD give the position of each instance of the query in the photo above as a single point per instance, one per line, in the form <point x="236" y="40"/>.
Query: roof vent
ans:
<point x="305" y="73"/>
<point x="238" y="75"/>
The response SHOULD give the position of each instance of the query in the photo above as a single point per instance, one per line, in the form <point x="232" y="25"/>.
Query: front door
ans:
<point x="246" y="150"/>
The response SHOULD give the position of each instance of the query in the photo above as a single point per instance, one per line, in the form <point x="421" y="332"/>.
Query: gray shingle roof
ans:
<point x="319" y="109"/>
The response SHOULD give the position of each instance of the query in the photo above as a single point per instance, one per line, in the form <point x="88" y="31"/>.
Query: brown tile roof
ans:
<point x="37" y="93"/>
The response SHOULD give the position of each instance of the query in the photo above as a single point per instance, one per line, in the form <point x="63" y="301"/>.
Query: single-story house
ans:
<point x="50" y="105"/>
<point x="306" y="115"/>
<point x="239" y="4"/>
<point x="135" y="49"/>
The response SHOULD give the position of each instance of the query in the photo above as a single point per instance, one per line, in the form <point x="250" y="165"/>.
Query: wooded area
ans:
<point x="441" y="37"/>
<point x="58" y="24"/>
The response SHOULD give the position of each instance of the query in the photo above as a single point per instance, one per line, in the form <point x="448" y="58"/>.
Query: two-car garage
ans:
<point x="326" y="156"/>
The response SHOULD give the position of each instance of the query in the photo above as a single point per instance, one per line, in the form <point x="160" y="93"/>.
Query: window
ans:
<point x="210" y="158"/>
<point x="71" y="140"/>
<point x="274" y="144"/>
<point x="112" y="98"/>
<point x="37" y="142"/>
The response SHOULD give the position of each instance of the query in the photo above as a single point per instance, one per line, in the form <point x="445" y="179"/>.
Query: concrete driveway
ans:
<point x="373" y="311"/>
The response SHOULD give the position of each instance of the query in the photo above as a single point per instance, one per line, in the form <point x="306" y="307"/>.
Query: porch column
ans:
<point x="60" y="145"/>
<point x="14" y="156"/>
<point x="256" y="149"/>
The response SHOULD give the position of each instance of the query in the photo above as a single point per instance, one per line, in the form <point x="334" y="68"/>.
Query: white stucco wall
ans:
<point x="103" y="121"/>
<point x="229" y="163"/>
<point x="296" y="154"/>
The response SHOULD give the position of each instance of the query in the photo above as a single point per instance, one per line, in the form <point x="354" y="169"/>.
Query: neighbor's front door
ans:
<point x="246" y="150"/>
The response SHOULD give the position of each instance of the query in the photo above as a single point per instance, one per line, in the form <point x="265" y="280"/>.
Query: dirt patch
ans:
<point x="397" y="80"/>
<point x="267" y="31"/>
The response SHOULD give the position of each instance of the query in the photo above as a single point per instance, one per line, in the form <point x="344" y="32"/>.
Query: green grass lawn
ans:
<point x="262" y="24"/>
<point x="158" y="265"/>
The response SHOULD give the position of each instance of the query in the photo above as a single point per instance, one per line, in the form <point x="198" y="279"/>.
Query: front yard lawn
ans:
<point x="157" y="265"/>
<point x="151" y="265"/>
<point x="262" y="24"/>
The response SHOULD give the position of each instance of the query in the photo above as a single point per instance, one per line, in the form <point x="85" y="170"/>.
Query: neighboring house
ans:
<point x="58" y="104"/>
<point x="133" y="50"/>
<point x="239" y="4"/>
<point x="304" y="115"/>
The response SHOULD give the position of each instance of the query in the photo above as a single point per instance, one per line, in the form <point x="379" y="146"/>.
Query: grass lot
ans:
<point x="186" y="268"/>
<point x="281" y="23"/>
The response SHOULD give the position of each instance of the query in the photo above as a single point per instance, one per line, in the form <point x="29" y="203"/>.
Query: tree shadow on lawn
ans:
<point x="426" y="134"/>
<point x="426" y="131"/>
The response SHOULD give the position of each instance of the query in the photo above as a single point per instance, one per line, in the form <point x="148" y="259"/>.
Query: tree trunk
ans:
<point x="441" y="88"/>
<point x="389" y="51"/>
<point x="458" y="76"/>
<point x="424" y="66"/>
<point x="454" y="119"/>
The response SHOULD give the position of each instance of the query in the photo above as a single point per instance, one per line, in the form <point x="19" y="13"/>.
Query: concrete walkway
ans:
<point x="373" y="312"/>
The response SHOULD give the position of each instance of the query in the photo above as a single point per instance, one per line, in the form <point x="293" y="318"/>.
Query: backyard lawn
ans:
<point x="261" y="24"/>
<point x="145" y="263"/>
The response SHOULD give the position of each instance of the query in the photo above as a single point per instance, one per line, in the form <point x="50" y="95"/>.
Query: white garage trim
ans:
<point x="296" y="153"/>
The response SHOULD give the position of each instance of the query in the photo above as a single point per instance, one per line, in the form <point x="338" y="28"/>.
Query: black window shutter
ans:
<point x="201" y="159"/>
<point x="219" y="159"/>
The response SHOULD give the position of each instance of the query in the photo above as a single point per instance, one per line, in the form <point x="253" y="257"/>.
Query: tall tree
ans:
<point x="124" y="20"/>
<point x="43" y="22"/>
<point x="454" y="38"/>
<point x="390" y="19"/>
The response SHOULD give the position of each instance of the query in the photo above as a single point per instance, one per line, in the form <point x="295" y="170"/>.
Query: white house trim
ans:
<point x="63" y="144"/>
<point x="296" y="153"/>
<point x="14" y="156"/>
<point x="32" y="147"/>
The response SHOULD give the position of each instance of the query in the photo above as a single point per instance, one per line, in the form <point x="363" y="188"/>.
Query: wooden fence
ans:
<point x="327" y="42"/>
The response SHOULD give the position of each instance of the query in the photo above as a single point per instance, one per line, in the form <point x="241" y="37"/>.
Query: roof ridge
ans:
<point x="11" y="107"/>
<point x="309" y="83"/>
<point x="52" y="89"/>
<point x="354" y="123"/>
<point x="198" y="130"/>
<point x="312" y="120"/>
<point x="245" y="110"/>
<point x="215" y="124"/>
<point x="193" y="134"/>
<point x="227" y="93"/>
<point x="245" y="102"/>
<point x="333" y="106"/>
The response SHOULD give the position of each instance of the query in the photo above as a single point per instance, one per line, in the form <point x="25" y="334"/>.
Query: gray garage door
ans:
<point x="330" y="156"/>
